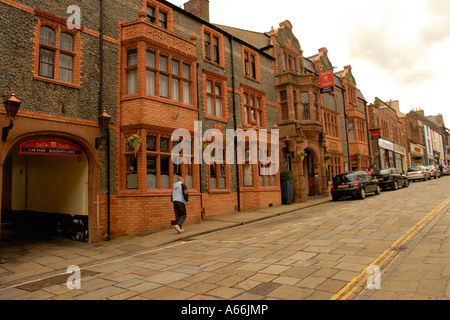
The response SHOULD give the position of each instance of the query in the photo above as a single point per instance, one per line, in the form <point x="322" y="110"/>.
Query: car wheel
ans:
<point x="335" y="198"/>
<point x="378" y="191"/>
<point x="406" y="185"/>
<point x="362" y="193"/>
<point x="395" y="185"/>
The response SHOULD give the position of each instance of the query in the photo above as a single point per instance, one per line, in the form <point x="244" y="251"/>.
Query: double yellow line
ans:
<point x="388" y="256"/>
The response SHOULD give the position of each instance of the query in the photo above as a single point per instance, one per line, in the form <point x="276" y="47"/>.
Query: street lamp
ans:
<point x="103" y="122"/>
<point x="12" y="105"/>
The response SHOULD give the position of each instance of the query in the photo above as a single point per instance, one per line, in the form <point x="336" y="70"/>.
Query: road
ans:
<point x="395" y="245"/>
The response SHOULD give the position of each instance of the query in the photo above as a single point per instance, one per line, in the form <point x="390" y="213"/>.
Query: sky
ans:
<point x="398" y="49"/>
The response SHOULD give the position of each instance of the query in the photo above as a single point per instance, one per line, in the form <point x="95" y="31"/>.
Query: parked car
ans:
<point x="418" y="173"/>
<point x="356" y="183"/>
<point x="434" y="171"/>
<point x="446" y="171"/>
<point x="391" y="178"/>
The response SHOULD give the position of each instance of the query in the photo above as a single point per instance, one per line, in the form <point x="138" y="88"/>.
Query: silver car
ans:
<point x="418" y="173"/>
<point x="434" y="171"/>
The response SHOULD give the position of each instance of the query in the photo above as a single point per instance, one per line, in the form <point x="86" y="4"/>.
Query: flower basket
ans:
<point x="134" y="142"/>
<point x="301" y="155"/>
<point x="328" y="157"/>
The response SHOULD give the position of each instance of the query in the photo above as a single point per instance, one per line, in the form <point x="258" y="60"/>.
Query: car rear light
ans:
<point x="356" y="184"/>
<point x="421" y="172"/>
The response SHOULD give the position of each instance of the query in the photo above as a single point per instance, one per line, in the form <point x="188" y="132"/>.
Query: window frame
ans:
<point x="247" y="107"/>
<point x="59" y="28"/>
<point x="251" y="64"/>
<point x="211" y="52"/>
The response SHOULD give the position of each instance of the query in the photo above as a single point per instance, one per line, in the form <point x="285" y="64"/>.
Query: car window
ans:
<point x="344" y="178"/>
<point x="414" y="169"/>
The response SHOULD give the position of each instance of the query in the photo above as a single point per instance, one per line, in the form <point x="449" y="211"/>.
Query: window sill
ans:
<point x="62" y="83"/>
<point x="220" y="65"/>
<point x="220" y="119"/>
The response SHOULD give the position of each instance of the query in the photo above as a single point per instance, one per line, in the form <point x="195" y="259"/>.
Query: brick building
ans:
<point x="344" y="118"/>
<point x="390" y="151"/>
<point x="154" y="68"/>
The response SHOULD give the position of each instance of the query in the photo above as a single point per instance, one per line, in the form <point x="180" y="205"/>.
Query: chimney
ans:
<point x="199" y="8"/>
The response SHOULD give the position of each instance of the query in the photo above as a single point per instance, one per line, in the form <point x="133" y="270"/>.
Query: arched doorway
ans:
<point x="45" y="189"/>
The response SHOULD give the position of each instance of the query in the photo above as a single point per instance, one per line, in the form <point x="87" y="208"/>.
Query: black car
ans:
<point x="391" y="178"/>
<point x="354" y="184"/>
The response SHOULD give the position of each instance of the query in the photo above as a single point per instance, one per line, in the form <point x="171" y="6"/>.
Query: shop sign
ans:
<point x="50" y="147"/>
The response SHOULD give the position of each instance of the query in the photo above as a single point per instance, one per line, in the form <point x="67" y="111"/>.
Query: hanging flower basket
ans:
<point x="134" y="142"/>
<point x="301" y="154"/>
<point x="328" y="157"/>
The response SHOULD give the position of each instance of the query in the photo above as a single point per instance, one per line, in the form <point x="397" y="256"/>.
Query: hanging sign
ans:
<point x="326" y="81"/>
<point x="50" y="147"/>
<point x="375" y="134"/>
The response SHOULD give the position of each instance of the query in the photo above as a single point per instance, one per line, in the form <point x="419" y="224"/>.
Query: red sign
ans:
<point x="51" y="147"/>
<point x="375" y="134"/>
<point x="326" y="81"/>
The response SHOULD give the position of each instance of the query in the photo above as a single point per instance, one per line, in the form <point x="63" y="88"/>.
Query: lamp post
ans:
<point x="12" y="105"/>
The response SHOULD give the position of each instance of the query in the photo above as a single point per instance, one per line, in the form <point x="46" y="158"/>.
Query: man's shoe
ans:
<point x="178" y="228"/>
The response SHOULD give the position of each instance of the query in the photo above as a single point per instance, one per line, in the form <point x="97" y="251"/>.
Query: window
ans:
<point x="253" y="109"/>
<point x="284" y="105"/>
<point x="330" y="124"/>
<point x="251" y="64"/>
<point x="132" y="72"/>
<point x="351" y="131"/>
<point x="163" y="73"/>
<point x="158" y="14"/>
<point x="334" y="167"/>
<point x="214" y="98"/>
<point x="151" y="14"/>
<point x="248" y="169"/>
<point x="218" y="174"/>
<point x="305" y="106"/>
<point x="266" y="180"/>
<point x="57" y="53"/>
<point x="316" y="107"/>
<point x="131" y="172"/>
<point x="163" y="19"/>
<point x="213" y="46"/>
<point x="161" y="171"/>
<point x="289" y="62"/>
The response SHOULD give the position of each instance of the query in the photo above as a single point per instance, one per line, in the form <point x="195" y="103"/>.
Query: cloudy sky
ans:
<point x="398" y="49"/>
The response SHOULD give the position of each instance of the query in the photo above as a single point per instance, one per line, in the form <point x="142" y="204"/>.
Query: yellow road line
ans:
<point x="348" y="290"/>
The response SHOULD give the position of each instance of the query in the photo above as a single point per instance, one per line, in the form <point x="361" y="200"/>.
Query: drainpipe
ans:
<point x="235" y="126"/>
<point x="108" y="136"/>
<point x="346" y="130"/>
<point x="367" y="129"/>
<point x="200" y="167"/>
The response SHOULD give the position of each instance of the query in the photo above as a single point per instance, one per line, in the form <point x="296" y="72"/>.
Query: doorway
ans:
<point x="45" y="194"/>
<point x="310" y="175"/>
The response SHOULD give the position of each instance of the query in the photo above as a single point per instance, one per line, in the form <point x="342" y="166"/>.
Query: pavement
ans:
<point x="27" y="260"/>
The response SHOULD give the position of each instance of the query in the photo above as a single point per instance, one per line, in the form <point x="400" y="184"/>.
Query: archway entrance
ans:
<point x="310" y="173"/>
<point x="45" y="190"/>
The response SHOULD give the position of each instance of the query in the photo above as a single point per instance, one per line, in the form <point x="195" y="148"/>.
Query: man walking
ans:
<point x="180" y="199"/>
